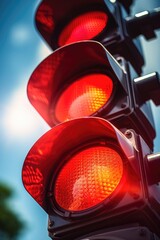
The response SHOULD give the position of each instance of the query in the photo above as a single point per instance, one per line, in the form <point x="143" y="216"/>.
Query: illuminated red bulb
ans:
<point x="88" y="178"/>
<point x="84" y="97"/>
<point x="84" y="27"/>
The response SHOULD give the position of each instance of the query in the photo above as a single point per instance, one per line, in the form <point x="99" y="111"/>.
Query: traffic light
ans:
<point x="88" y="176"/>
<point x="61" y="23"/>
<point x="94" y="172"/>
<point x="83" y="79"/>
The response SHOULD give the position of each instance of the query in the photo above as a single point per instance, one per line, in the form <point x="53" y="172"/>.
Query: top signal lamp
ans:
<point x="64" y="22"/>
<point x="61" y="23"/>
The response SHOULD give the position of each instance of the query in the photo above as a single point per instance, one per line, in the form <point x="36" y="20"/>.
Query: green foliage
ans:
<point x="10" y="224"/>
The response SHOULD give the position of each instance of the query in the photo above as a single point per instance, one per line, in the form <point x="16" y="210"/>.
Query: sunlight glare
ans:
<point x="20" y="119"/>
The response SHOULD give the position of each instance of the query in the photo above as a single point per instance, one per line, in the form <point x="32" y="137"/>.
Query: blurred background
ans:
<point x="22" y="49"/>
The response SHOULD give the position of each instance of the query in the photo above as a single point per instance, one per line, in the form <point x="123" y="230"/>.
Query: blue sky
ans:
<point x="20" y="126"/>
<point x="22" y="49"/>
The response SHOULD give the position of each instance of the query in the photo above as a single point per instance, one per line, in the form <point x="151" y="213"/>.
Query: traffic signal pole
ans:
<point x="94" y="172"/>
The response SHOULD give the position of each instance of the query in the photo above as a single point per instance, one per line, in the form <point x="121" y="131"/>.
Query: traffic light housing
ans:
<point x="94" y="177"/>
<point x="93" y="171"/>
<point x="61" y="23"/>
<point x="83" y="79"/>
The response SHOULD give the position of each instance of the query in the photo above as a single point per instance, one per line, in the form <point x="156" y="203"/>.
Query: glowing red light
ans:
<point x="84" y="27"/>
<point x="84" y="97"/>
<point x="88" y="178"/>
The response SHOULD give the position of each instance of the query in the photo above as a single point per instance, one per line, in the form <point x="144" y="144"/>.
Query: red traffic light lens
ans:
<point x="84" y="27"/>
<point x="84" y="97"/>
<point x="88" y="178"/>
